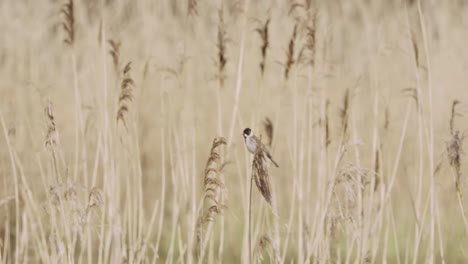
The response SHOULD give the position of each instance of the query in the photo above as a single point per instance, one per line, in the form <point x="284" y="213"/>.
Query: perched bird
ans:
<point x="252" y="143"/>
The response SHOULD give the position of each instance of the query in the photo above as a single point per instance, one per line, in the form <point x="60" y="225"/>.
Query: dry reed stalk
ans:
<point x="263" y="32"/>
<point x="142" y="254"/>
<point x="240" y="66"/>
<point x="289" y="225"/>
<point x="175" y="165"/>
<point x="416" y="93"/>
<point x="126" y="96"/>
<point x="163" y="184"/>
<point x="300" y="190"/>
<point x="309" y="161"/>
<point x="105" y="145"/>
<point x="327" y="125"/>
<point x="259" y="174"/>
<point x="431" y="131"/>
<point x="17" y="193"/>
<point x="385" y="198"/>
<point x="69" y="25"/>
<point x="322" y="179"/>
<point x="221" y="62"/>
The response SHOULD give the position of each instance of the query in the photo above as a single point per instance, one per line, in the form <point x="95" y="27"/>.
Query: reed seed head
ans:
<point x="269" y="130"/>
<point x="68" y="22"/>
<point x="212" y="182"/>
<point x="126" y="95"/>
<point x="290" y="53"/>
<point x="260" y="174"/>
<point x="263" y="32"/>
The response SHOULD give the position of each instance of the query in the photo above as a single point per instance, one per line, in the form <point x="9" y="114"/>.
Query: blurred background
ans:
<point x="109" y="110"/>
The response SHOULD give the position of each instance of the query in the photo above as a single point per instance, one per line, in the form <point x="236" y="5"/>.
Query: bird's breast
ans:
<point x="251" y="146"/>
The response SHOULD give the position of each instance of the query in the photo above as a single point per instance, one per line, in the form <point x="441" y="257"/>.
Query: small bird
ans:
<point x="252" y="142"/>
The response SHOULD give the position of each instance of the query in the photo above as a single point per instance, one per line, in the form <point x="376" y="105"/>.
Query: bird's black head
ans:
<point x="247" y="132"/>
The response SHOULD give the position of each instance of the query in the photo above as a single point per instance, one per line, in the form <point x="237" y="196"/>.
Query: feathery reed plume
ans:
<point x="212" y="183"/>
<point x="290" y="53"/>
<point x="266" y="244"/>
<point x="221" y="48"/>
<point x="350" y="181"/>
<point x="68" y="23"/>
<point x="269" y="130"/>
<point x="454" y="153"/>
<point x="260" y="174"/>
<point x="387" y="119"/>
<point x="192" y="7"/>
<point x="377" y="169"/>
<point x="95" y="199"/>
<point x="51" y="139"/>
<point x="261" y="178"/>
<point x="125" y="96"/>
<point x="307" y="53"/>
<point x="114" y="51"/>
<point x="263" y="32"/>
<point x="454" y="147"/>
<point x="416" y="51"/>
<point x="344" y="112"/>
<point x="212" y="191"/>
<point x="452" y="116"/>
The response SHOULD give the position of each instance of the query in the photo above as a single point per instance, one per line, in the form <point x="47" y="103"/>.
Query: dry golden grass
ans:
<point x="361" y="102"/>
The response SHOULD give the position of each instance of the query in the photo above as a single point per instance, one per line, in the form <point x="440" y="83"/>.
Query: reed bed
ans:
<point x="121" y="131"/>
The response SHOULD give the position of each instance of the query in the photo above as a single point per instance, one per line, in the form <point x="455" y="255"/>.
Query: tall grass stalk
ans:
<point x="16" y="188"/>
<point x="430" y="147"/>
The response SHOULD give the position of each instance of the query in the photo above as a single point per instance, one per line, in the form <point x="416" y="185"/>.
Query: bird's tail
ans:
<point x="274" y="162"/>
